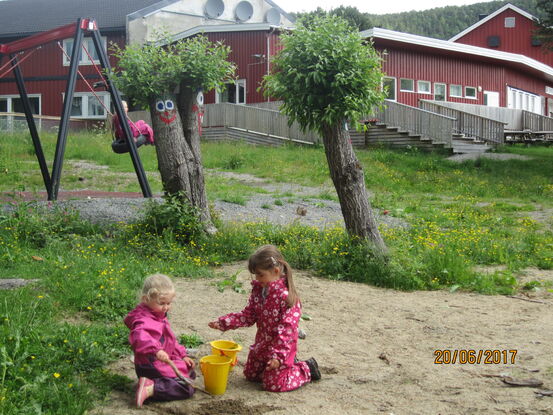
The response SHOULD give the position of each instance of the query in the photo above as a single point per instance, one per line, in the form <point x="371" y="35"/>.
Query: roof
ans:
<point x="244" y="27"/>
<point x="449" y="47"/>
<point x="24" y="17"/>
<point x="491" y="16"/>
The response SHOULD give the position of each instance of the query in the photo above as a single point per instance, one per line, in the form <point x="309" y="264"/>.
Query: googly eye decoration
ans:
<point x="169" y="106"/>
<point x="160" y="106"/>
<point x="200" y="98"/>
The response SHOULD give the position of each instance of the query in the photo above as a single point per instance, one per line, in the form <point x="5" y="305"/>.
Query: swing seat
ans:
<point x="120" y="146"/>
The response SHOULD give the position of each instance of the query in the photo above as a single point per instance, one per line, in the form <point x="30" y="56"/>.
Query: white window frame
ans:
<point x="445" y="90"/>
<point x="10" y="98"/>
<point x="467" y="96"/>
<point x="510" y="22"/>
<point x="451" y="94"/>
<point x="90" y="96"/>
<point x="407" y="90"/>
<point x="219" y="96"/>
<point x="88" y="43"/>
<point x="394" y="79"/>
<point x="429" y="89"/>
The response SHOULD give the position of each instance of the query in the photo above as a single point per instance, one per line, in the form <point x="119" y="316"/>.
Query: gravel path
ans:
<point x="303" y="207"/>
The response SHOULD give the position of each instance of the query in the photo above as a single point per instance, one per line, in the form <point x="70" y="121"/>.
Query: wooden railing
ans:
<point x="536" y="122"/>
<point x="471" y="125"/>
<point x="436" y="127"/>
<point x="257" y="120"/>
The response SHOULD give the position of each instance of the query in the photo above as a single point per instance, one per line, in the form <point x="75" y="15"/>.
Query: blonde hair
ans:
<point x="267" y="257"/>
<point x="156" y="286"/>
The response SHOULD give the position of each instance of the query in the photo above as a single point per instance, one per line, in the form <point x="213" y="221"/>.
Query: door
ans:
<point x="440" y="92"/>
<point x="491" y="98"/>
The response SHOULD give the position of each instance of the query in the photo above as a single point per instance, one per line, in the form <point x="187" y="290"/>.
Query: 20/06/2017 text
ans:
<point x="474" y="357"/>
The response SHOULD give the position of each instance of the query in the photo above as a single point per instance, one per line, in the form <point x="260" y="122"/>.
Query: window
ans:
<point x="88" y="43"/>
<point x="494" y="41"/>
<point x="86" y="105"/>
<point x="456" y="91"/>
<point x="407" y="85"/>
<point x="423" y="87"/>
<point x="510" y="22"/>
<point x="389" y="85"/>
<point x="13" y="103"/>
<point x="440" y="92"/>
<point x="234" y="93"/>
<point x="470" y="92"/>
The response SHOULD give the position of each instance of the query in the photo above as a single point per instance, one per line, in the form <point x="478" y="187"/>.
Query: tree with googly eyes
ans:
<point x="169" y="78"/>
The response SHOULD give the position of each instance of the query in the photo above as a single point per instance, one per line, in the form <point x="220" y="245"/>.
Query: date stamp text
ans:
<point x="474" y="357"/>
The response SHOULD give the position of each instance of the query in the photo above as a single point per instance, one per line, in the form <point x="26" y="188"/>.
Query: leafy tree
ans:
<point x="545" y="24"/>
<point x="149" y="75"/>
<point x="326" y="75"/>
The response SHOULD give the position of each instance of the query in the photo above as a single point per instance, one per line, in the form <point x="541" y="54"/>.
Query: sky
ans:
<point x="373" y="7"/>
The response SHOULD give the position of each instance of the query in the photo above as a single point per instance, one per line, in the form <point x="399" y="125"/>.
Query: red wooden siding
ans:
<point x="244" y="45"/>
<point x="44" y="74"/>
<point x="464" y="71"/>
<point x="515" y="40"/>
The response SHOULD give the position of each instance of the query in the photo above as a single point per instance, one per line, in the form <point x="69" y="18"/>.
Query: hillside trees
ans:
<point x="438" y="22"/>
<point x="326" y="75"/>
<point x="169" y="81"/>
<point x="545" y="24"/>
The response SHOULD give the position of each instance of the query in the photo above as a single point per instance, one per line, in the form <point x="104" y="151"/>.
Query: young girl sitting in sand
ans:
<point x="154" y="345"/>
<point x="275" y="306"/>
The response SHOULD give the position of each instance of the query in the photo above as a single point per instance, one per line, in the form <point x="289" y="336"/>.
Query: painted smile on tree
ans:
<point x="167" y="112"/>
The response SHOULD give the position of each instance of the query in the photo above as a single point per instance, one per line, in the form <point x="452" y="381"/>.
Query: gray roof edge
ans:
<point x="149" y="9"/>
<point x="276" y="6"/>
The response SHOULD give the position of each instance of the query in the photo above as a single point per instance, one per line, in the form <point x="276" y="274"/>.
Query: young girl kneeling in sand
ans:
<point x="154" y="345"/>
<point x="275" y="306"/>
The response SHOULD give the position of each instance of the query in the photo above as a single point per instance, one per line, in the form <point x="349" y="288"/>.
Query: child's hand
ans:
<point x="189" y="362"/>
<point x="273" y="364"/>
<point x="162" y="356"/>
<point x="215" y="325"/>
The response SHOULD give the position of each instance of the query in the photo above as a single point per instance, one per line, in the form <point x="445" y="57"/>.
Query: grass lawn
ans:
<point x="62" y="330"/>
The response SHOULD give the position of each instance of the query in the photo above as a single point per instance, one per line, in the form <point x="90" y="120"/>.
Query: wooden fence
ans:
<point x="416" y="121"/>
<point x="256" y="120"/>
<point x="536" y="122"/>
<point x="471" y="125"/>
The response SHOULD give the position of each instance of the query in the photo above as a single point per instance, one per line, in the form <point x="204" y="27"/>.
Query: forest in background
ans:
<point x="439" y="22"/>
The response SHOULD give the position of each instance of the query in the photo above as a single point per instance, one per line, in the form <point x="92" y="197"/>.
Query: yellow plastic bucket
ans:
<point x="226" y="348"/>
<point x="215" y="370"/>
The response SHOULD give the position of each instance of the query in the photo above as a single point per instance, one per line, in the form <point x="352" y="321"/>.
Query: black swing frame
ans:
<point x="77" y="31"/>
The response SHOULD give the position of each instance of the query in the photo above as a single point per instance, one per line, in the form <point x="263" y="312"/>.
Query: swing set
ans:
<point x="26" y="47"/>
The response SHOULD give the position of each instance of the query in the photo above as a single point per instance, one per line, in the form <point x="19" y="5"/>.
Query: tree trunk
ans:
<point x="189" y="110"/>
<point x="177" y="162"/>
<point x="348" y="178"/>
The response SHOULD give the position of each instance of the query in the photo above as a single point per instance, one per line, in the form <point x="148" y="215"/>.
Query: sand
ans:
<point x="377" y="350"/>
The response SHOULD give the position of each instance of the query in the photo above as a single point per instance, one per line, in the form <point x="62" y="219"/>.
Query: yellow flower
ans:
<point x="40" y="296"/>
<point x="56" y="375"/>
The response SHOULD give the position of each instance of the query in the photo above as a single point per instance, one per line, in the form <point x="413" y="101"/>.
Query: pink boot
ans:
<point x="144" y="390"/>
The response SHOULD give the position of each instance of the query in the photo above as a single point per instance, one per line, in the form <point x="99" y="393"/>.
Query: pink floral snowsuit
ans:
<point x="150" y="333"/>
<point x="276" y="338"/>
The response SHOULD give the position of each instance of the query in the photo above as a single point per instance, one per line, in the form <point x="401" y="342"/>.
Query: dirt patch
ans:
<point x="11" y="283"/>
<point x="377" y="351"/>
<point x="459" y="158"/>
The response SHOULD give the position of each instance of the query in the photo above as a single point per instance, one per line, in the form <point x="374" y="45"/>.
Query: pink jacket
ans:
<point x="151" y="332"/>
<point x="277" y="324"/>
<point x="137" y="128"/>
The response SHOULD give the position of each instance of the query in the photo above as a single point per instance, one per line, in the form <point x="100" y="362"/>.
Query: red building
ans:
<point x="418" y="68"/>
<point x="508" y="29"/>
<point x="46" y="68"/>
<point x="250" y="28"/>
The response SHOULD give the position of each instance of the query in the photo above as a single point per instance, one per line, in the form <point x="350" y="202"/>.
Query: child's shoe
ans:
<point x="144" y="390"/>
<point x="313" y="368"/>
